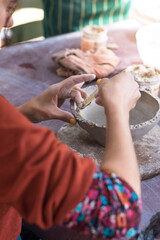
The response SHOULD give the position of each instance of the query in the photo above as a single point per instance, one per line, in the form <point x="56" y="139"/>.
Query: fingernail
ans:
<point x="72" y="121"/>
<point x="98" y="81"/>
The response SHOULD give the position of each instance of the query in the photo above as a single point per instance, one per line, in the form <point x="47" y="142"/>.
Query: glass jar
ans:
<point x="147" y="77"/>
<point x="152" y="87"/>
<point x="93" y="38"/>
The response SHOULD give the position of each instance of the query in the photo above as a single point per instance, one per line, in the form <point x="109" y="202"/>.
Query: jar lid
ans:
<point x="94" y="31"/>
<point x="145" y="75"/>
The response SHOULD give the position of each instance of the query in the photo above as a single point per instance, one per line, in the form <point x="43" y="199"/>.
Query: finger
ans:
<point x="137" y="85"/>
<point x="71" y="81"/>
<point x="83" y="93"/>
<point x="98" y="101"/>
<point x="125" y="74"/>
<point x="65" y="116"/>
<point x="138" y="94"/>
<point x="96" y="95"/>
<point x="136" y="97"/>
<point x="76" y="96"/>
<point x="103" y="81"/>
<point x="79" y="85"/>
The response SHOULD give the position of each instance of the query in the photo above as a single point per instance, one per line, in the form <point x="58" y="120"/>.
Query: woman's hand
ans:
<point x="118" y="96"/>
<point x="121" y="92"/>
<point x="47" y="105"/>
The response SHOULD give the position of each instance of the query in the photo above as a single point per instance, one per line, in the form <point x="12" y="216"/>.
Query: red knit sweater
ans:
<point x="41" y="180"/>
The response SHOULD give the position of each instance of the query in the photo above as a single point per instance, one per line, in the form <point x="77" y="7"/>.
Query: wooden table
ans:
<point x="27" y="69"/>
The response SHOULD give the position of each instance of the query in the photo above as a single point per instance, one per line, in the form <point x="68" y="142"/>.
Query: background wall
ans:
<point x="28" y="18"/>
<point x="146" y="11"/>
<point x="28" y="21"/>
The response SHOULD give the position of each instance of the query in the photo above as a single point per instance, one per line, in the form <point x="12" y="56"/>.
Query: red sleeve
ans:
<point x="39" y="175"/>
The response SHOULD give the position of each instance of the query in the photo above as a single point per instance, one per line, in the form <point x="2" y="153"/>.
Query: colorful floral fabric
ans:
<point x="110" y="208"/>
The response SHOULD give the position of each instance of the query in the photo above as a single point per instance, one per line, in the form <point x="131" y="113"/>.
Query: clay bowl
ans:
<point x="143" y="117"/>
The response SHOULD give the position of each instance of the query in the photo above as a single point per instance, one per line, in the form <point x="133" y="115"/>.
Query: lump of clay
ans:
<point x="102" y="62"/>
<point x="143" y="73"/>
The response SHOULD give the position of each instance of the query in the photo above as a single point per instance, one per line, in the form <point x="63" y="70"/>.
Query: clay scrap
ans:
<point x="70" y="62"/>
<point x="147" y="148"/>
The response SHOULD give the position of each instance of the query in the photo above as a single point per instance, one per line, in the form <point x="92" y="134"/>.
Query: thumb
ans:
<point x="74" y="80"/>
<point x="65" y="116"/>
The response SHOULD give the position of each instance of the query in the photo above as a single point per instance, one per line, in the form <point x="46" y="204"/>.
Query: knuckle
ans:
<point x="139" y="94"/>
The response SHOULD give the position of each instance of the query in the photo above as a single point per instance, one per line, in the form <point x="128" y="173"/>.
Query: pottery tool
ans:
<point x="89" y="99"/>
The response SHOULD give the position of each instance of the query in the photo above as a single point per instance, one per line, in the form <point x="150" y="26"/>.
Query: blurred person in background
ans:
<point x="65" y="16"/>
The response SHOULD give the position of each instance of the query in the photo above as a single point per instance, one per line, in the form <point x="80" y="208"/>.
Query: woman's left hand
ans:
<point x="47" y="105"/>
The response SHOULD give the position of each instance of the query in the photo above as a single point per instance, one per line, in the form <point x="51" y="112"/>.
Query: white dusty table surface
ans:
<point x="147" y="148"/>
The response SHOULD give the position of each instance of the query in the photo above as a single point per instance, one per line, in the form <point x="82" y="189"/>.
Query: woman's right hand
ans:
<point x="119" y="95"/>
<point x="121" y="91"/>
